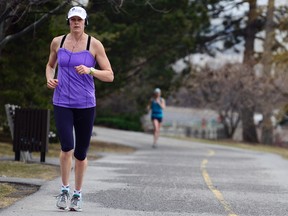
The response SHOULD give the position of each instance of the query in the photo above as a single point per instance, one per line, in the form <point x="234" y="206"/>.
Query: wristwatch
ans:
<point x="92" y="70"/>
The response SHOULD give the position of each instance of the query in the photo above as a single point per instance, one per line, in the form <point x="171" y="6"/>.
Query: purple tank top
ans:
<point x="74" y="90"/>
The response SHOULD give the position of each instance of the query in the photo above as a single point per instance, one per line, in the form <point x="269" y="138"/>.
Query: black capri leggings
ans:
<point x="83" y="121"/>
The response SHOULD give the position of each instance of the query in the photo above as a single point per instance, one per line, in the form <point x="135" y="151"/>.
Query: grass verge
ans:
<point x="282" y="151"/>
<point x="28" y="170"/>
<point x="10" y="192"/>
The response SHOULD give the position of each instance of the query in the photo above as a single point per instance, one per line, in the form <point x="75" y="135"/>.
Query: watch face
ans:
<point x="91" y="71"/>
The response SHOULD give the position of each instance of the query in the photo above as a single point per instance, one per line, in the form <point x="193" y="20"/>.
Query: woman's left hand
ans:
<point x="82" y="69"/>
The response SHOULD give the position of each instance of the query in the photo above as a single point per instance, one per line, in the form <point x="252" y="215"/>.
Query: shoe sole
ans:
<point x="62" y="208"/>
<point x="76" y="210"/>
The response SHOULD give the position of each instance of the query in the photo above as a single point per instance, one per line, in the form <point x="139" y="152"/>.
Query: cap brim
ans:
<point x="76" y="14"/>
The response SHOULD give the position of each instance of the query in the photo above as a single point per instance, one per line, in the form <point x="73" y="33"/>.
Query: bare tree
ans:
<point x="231" y="88"/>
<point x="12" y="12"/>
<point x="230" y="92"/>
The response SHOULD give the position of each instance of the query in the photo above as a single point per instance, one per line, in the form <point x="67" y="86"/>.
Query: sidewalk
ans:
<point x="171" y="180"/>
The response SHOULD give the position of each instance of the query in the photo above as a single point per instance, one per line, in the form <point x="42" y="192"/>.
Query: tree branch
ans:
<point x="9" y="38"/>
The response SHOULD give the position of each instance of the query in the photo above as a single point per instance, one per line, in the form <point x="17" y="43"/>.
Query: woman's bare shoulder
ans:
<point x="97" y="47"/>
<point x="96" y="43"/>
<point x="57" y="40"/>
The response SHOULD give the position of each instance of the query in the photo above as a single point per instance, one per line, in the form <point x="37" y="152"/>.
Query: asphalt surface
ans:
<point x="179" y="178"/>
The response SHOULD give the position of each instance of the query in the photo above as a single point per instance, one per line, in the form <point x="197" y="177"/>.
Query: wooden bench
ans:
<point x="30" y="131"/>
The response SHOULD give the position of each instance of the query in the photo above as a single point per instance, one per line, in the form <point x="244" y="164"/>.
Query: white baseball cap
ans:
<point x="157" y="90"/>
<point x="77" y="11"/>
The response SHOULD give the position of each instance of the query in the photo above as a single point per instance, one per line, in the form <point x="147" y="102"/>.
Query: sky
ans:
<point x="277" y="2"/>
<point x="230" y="55"/>
<point x="82" y="2"/>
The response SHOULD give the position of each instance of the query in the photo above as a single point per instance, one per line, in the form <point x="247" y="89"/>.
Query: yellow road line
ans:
<point x="212" y="188"/>
<point x="211" y="153"/>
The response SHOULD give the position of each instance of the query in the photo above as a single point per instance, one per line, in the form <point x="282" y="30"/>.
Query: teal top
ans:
<point x="156" y="109"/>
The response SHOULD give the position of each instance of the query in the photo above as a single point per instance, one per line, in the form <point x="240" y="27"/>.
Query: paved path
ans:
<point x="179" y="178"/>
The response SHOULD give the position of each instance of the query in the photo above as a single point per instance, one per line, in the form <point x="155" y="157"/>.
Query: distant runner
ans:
<point x="157" y="104"/>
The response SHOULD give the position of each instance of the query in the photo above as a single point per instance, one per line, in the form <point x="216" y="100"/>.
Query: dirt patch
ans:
<point x="22" y="190"/>
<point x="12" y="192"/>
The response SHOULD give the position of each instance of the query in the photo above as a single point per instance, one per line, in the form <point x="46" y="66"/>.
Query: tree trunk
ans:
<point x="250" y="33"/>
<point x="267" y="60"/>
<point x="267" y="130"/>
<point x="248" y="127"/>
<point x="230" y="124"/>
<point x="247" y="113"/>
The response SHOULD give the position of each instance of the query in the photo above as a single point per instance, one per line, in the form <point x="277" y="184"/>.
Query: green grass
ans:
<point x="123" y="121"/>
<point x="119" y="123"/>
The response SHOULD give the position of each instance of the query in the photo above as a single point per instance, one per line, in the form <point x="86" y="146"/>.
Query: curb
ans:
<point x="26" y="181"/>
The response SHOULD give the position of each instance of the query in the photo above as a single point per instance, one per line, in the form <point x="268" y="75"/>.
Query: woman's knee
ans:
<point x="66" y="154"/>
<point x="80" y="156"/>
<point x="157" y="129"/>
<point x="66" y="148"/>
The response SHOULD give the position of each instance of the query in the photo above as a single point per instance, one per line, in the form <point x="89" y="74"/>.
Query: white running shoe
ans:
<point x="62" y="200"/>
<point x="76" y="203"/>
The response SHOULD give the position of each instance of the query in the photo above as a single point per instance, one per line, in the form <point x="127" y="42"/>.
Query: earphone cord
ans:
<point x="70" y="55"/>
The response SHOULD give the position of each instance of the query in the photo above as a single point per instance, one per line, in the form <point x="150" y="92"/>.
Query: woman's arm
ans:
<point x="51" y="65"/>
<point x="105" y="73"/>
<point x="149" y="105"/>
<point x="162" y="103"/>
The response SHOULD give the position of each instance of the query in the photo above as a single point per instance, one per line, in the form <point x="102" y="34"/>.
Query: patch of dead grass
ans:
<point x="6" y="189"/>
<point x="28" y="170"/>
<point x="10" y="193"/>
<point x="6" y="149"/>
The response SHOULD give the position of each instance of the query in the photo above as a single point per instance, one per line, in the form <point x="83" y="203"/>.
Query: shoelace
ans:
<point x="74" y="200"/>
<point x="64" y="196"/>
